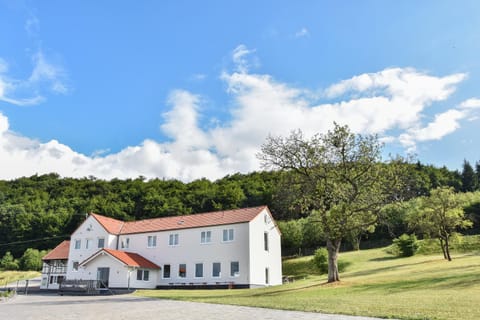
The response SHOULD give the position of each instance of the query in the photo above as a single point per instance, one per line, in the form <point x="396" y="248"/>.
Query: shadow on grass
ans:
<point x="446" y="282"/>
<point x="384" y="269"/>
<point x="388" y="258"/>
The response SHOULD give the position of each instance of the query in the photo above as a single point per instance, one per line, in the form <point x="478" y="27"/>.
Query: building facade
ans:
<point x="233" y="248"/>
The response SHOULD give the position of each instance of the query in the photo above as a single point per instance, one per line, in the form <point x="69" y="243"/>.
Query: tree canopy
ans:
<point x="338" y="177"/>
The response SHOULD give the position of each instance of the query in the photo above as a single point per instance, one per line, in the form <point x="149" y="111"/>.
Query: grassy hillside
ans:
<point x="7" y="277"/>
<point x="376" y="284"/>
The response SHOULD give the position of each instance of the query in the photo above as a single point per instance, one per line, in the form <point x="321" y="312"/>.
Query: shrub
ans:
<point x="320" y="260"/>
<point x="406" y="245"/>
<point x="31" y="260"/>
<point x="8" y="262"/>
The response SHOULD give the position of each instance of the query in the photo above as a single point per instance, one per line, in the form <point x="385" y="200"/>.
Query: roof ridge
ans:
<point x="198" y="214"/>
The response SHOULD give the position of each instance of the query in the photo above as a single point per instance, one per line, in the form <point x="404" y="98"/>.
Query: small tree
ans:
<point x="441" y="215"/>
<point x="31" y="260"/>
<point x="8" y="262"/>
<point x="407" y="245"/>
<point x="292" y="234"/>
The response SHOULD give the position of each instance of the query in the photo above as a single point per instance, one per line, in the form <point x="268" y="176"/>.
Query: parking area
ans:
<point x="54" y="307"/>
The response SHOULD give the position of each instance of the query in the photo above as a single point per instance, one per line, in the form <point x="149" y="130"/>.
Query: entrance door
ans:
<point x="102" y="277"/>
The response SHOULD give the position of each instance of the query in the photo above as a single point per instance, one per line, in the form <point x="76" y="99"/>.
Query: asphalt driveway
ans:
<point x="128" y="307"/>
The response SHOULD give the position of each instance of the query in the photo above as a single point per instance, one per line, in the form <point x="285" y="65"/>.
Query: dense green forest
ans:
<point x="42" y="210"/>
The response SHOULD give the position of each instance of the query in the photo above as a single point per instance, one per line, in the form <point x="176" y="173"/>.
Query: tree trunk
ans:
<point x="443" y="248"/>
<point x="447" y="250"/>
<point x="333" y="247"/>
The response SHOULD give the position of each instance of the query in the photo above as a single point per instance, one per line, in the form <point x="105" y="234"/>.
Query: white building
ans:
<point x="234" y="248"/>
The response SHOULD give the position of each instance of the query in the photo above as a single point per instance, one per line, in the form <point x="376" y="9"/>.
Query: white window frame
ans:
<point x="206" y="237"/>
<point x="179" y="268"/>
<point x="78" y="244"/>
<point x="228" y="235"/>
<point x="75" y="266"/>
<point x="232" y="273"/>
<point x="170" y="271"/>
<point x="202" y="270"/>
<point x="125" y="244"/>
<point x="143" y="273"/>
<point x="266" y="240"/>
<point x="88" y="243"/>
<point x="219" y="270"/>
<point x="151" y="241"/>
<point x="98" y="243"/>
<point x="173" y="239"/>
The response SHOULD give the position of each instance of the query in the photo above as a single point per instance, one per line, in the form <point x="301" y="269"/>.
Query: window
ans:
<point x="227" y="235"/>
<point x="265" y="240"/>
<point x="234" y="269"/>
<point x="206" y="237"/>
<point x="199" y="270"/>
<point x="173" y="239"/>
<point x="182" y="270"/>
<point x="101" y="243"/>
<point x="166" y="271"/>
<point x="78" y="244"/>
<point x="266" y="276"/>
<point x="125" y="243"/>
<point x="152" y="241"/>
<point x="88" y="243"/>
<point x="75" y="265"/>
<point x="142" y="275"/>
<point x="216" y="269"/>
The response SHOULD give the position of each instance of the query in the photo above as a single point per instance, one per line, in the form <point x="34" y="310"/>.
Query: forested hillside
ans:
<point x="40" y="211"/>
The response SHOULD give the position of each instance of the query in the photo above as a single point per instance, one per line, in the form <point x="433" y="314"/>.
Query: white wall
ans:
<point x="260" y="259"/>
<point x="190" y="251"/>
<point x="119" y="273"/>
<point x="89" y="229"/>
<point x="247" y="248"/>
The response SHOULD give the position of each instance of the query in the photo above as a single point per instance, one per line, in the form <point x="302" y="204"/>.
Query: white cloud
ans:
<point x="240" y="58"/>
<point x="45" y="77"/>
<point x="472" y="103"/>
<point x="392" y="103"/>
<point x="44" y="71"/>
<point x="302" y="33"/>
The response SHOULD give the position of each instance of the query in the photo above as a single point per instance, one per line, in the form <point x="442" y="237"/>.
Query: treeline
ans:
<point x="40" y="211"/>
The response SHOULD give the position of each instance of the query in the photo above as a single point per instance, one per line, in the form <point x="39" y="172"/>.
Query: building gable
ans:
<point x="130" y="259"/>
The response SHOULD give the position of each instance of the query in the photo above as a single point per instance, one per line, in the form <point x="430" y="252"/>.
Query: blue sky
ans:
<point x="190" y="89"/>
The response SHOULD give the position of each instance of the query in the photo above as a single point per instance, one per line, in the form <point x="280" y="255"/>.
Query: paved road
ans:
<point x="128" y="307"/>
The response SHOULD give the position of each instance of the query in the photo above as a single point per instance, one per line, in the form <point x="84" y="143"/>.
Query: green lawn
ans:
<point x="375" y="284"/>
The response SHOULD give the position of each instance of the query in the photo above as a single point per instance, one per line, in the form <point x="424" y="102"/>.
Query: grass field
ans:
<point x="376" y="284"/>
<point x="7" y="277"/>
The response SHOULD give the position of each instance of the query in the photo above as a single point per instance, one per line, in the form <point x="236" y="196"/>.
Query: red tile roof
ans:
<point x="59" y="253"/>
<point x="112" y="226"/>
<point x="193" y="220"/>
<point x="128" y="258"/>
<point x="216" y="218"/>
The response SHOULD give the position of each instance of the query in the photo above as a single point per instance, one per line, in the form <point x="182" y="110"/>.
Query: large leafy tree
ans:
<point x="339" y="177"/>
<point x="440" y="216"/>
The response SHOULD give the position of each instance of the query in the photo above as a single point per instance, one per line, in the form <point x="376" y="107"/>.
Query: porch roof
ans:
<point x="129" y="259"/>
<point x="60" y="252"/>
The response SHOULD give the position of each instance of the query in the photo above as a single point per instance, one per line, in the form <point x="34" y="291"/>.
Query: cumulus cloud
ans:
<point x="392" y="103"/>
<point x="472" y="103"/>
